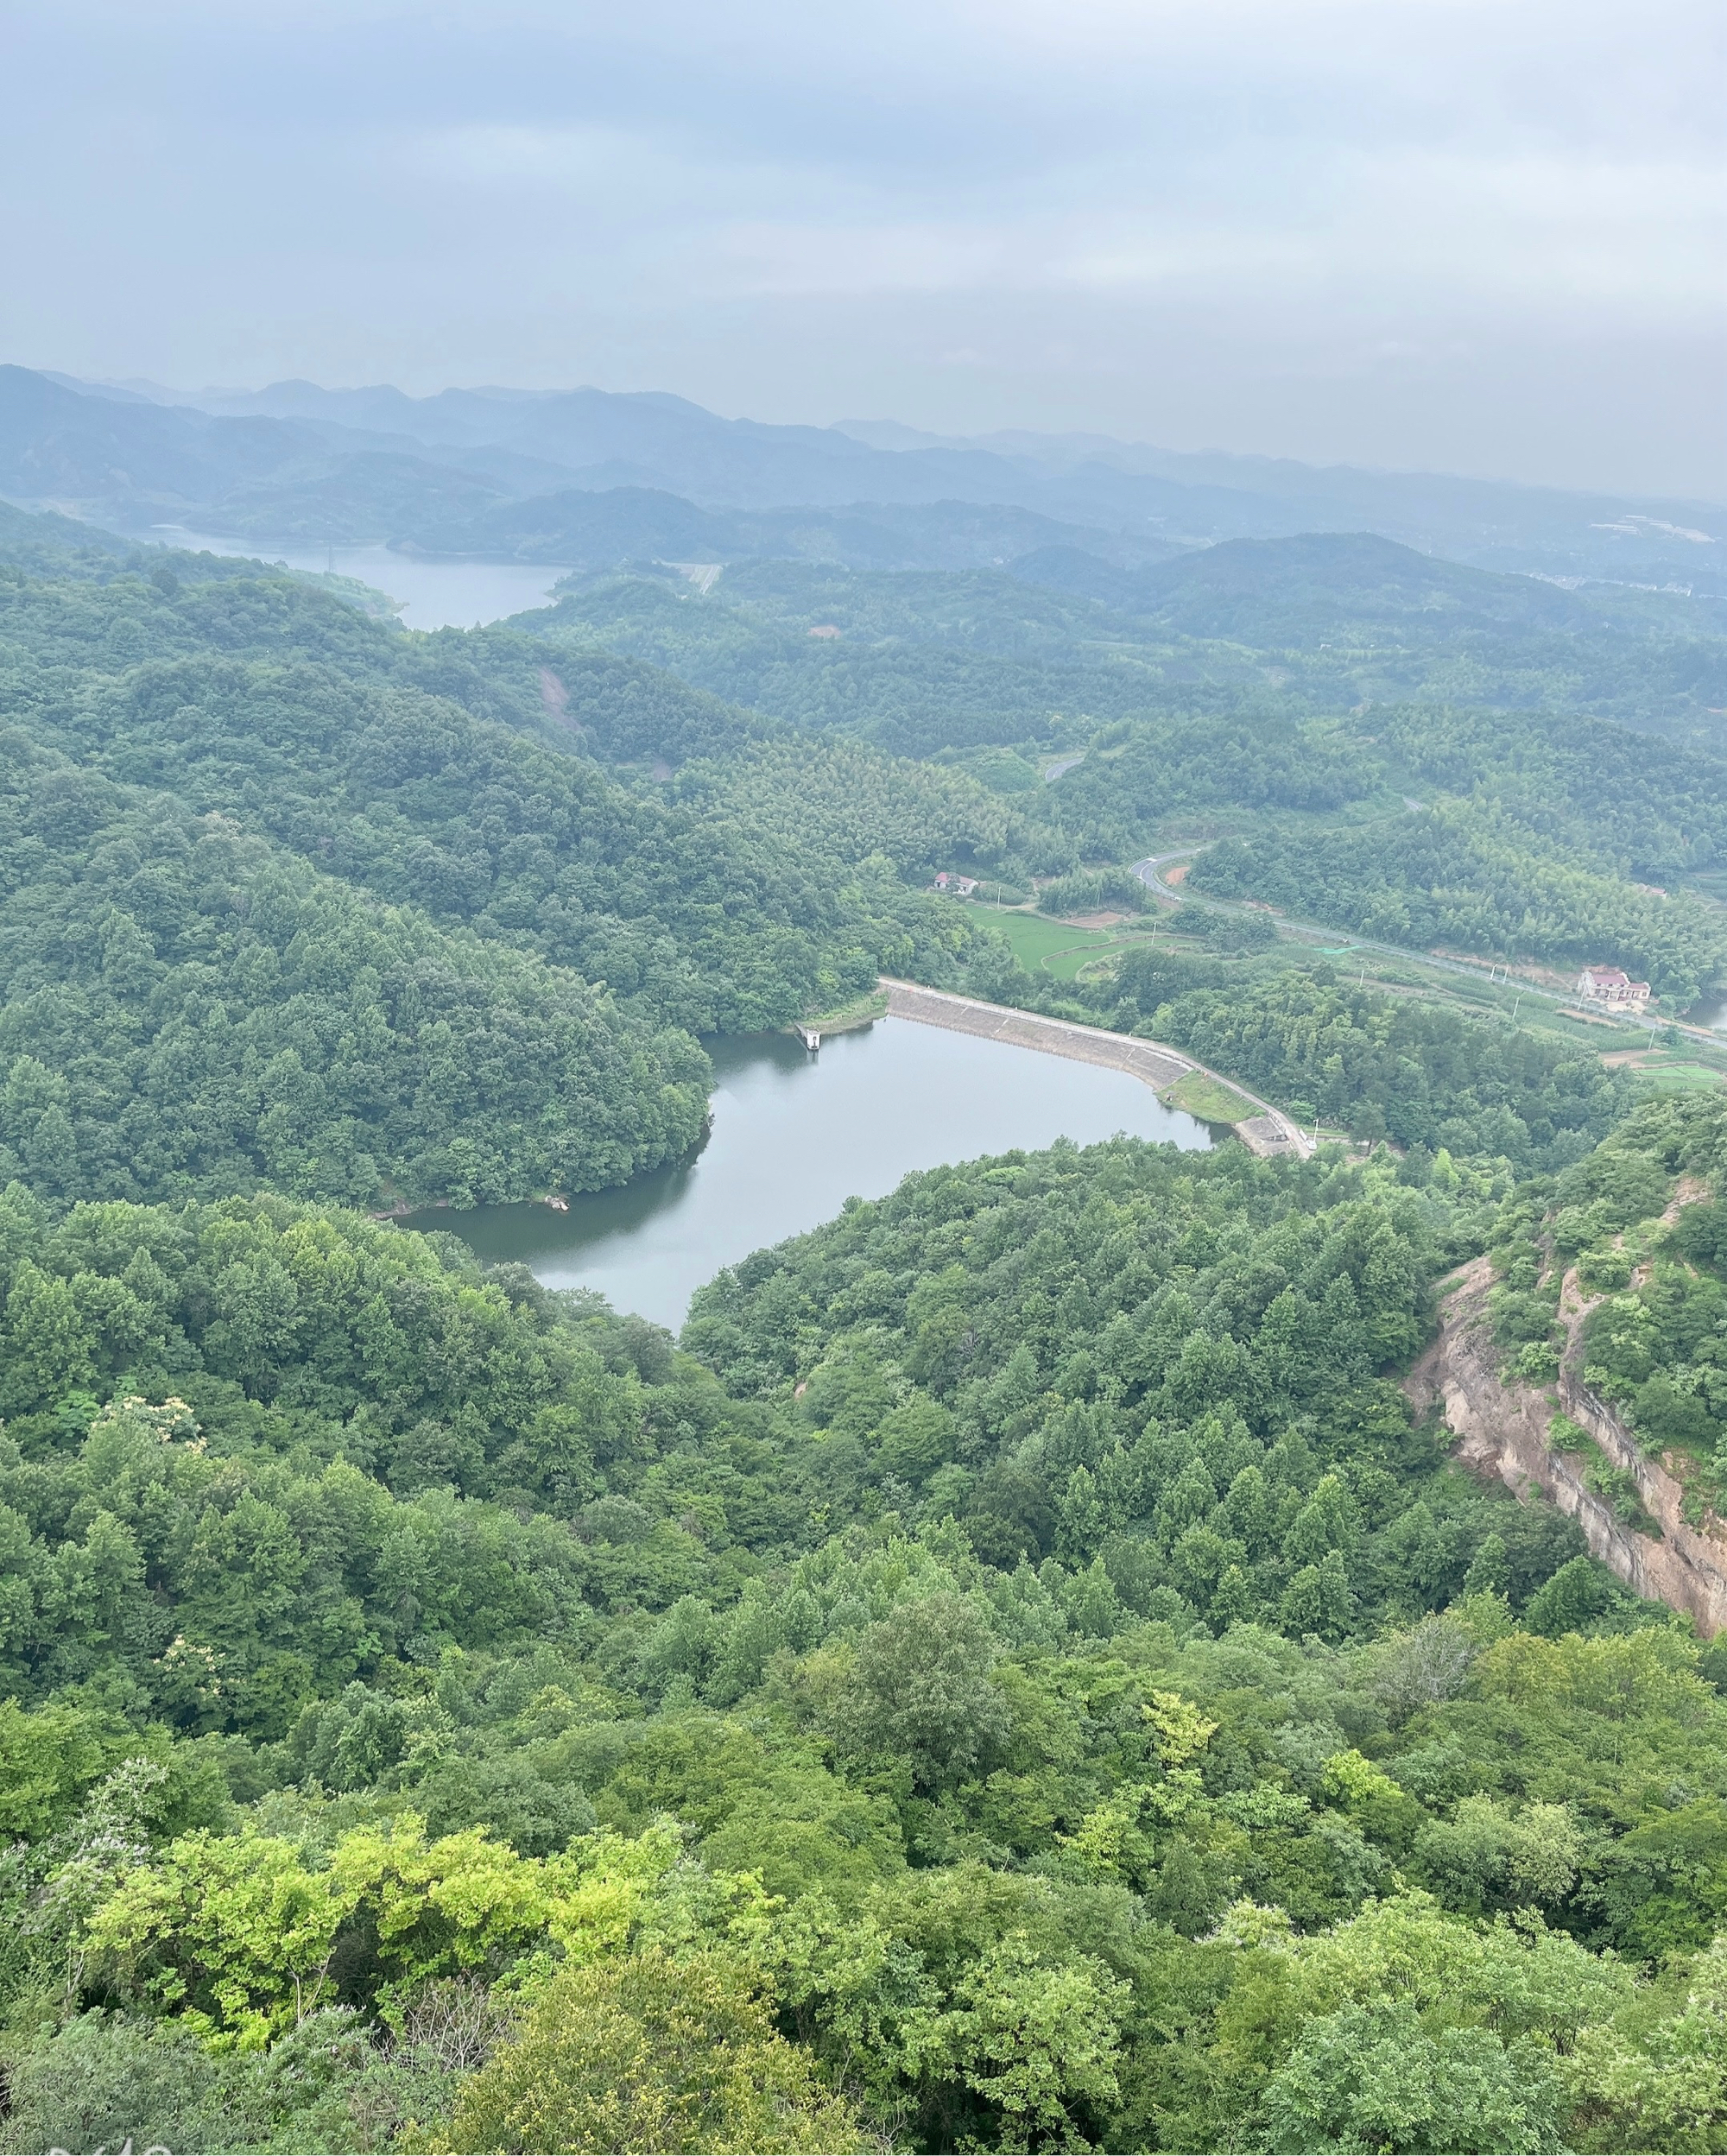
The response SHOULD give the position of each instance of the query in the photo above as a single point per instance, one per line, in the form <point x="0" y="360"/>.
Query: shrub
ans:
<point x="649" y="2053"/>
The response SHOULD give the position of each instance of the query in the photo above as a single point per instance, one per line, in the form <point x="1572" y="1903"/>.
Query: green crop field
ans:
<point x="1680" y="1078"/>
<point x="1053" y="947"/>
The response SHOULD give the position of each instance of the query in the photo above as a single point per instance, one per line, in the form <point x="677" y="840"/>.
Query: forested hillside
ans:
<point x="1651" y="807"/>
<point x="291" y="897"/>
<point x="1296" y="628"/>
<point x="193" y="1010"/>
<point x="1468" y="877"/>
<point x="1017" y="1673"/>
<point x="412" y="765"/>
<point x="1377" y="1066"/>
<point x="1302" y="693"/>
<point x="1018" y="1641"/>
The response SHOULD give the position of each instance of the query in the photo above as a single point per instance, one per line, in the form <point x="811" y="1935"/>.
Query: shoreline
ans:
<point x="849" y="1018"/>
<point x="1270" y="1134"/>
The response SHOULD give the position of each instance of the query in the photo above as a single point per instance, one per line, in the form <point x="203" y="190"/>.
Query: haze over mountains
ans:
<point x="587" y="479"/>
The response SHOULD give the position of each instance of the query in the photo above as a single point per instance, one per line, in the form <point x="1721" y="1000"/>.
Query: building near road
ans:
<point x="959" y="886"/>
<point x="1607" y="984"/>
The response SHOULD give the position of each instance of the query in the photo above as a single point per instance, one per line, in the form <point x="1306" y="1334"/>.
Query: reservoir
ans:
<point x="459" y="594"/>
<point x="793" y="1137"/>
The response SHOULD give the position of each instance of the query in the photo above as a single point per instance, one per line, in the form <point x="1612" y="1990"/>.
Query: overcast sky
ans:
<point x="1480" y="236"/>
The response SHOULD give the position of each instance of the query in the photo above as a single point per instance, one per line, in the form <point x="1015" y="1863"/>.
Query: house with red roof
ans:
<point x="1607" y="984"/>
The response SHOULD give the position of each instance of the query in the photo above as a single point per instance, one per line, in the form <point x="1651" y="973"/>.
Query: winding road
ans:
<point x="1147" y="871"/>
<point x="1150" y="872"/>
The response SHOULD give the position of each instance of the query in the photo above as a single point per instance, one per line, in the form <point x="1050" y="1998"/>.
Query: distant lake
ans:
<point x="435" y="594"/>
<point x="793" y="1137"/>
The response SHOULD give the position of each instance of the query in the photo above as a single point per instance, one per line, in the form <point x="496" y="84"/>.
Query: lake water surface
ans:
<point x="434" y="594"/>
<point x="793" y="1137"/>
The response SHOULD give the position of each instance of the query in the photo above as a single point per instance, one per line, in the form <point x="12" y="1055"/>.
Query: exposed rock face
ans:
<point x="1501" y="1426"/>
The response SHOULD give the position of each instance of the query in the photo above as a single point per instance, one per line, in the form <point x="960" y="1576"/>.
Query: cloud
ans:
<point x="800" y="211"/>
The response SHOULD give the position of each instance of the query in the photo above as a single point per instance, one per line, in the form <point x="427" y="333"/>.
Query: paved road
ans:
<point x="1150" y="872"/>
<point x="1147" y="871"/>
<point x="1341" y="939"/>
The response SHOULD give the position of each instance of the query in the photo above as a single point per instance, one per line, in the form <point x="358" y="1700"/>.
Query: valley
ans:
<point x="1096" y="1563"/>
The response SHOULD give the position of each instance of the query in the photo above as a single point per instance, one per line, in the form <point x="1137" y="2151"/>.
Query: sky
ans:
<point x="1472" y="235"/>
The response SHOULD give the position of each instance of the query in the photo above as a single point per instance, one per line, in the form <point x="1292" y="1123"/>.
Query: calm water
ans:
<point x="435" y="594"/>
<point x="793" y="1137"/>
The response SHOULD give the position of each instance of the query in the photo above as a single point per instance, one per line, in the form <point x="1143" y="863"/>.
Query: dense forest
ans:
<point x="1297" y="629"/>
<point x="1017" y="1675"/>
<point x="1298" y="694"/>
<point x="290" y="897"/>
<point x="1378" y="1066"/>
<point x="1468" y="877"/>
<point x="192" y="1010"/>
<point x="1635" y="805"/>
<point x="1017" y="1672"/>
<point x="1649" y="1291"/>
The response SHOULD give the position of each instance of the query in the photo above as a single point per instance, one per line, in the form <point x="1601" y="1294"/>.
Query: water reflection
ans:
<point x="793" y="1137"/>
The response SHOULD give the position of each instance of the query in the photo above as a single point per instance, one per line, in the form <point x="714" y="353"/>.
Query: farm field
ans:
<point x="1056" y="948"/>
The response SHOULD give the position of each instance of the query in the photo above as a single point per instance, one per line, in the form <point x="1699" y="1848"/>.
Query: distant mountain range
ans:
<point x="586" y="479"/>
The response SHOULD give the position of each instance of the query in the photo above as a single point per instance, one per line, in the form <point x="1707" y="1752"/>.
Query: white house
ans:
<point x="1607" y="984"/>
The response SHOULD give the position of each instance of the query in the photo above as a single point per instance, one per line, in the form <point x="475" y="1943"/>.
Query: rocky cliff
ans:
<point x="1502" y="1425"/>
